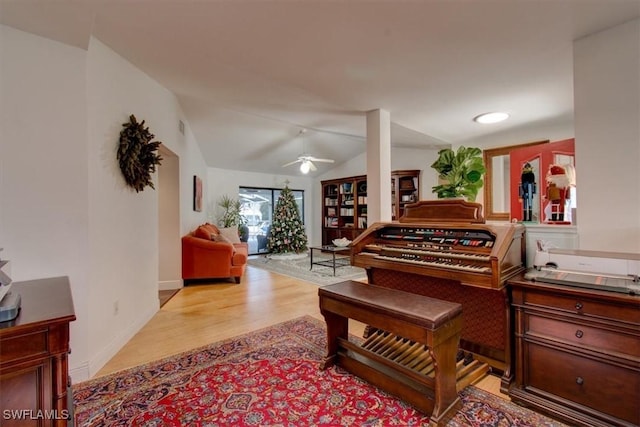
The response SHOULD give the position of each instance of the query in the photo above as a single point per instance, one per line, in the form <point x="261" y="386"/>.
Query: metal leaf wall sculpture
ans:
<point x="137" y="154"/>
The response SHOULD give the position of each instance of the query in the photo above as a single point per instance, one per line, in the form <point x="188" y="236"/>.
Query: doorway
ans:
<point x="169" y="244"/>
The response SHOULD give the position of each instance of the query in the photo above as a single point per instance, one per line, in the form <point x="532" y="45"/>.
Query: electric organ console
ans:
<point x="443" y="249"/>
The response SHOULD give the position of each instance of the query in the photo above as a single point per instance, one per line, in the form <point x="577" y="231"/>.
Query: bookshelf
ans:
<point x="344" y="203"/>
<point x="405" y="189"/>
<point x="361" y="204"/>
<point x="344" y="208"/>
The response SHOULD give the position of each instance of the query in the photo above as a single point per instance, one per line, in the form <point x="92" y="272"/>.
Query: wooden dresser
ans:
<point x="34" y="375"/>
<point x="577" y="353"/>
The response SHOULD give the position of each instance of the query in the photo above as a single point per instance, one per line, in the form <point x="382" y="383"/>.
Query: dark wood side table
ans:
<point x="34" y="372"/>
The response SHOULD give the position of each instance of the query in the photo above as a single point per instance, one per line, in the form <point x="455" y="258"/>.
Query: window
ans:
<point x="257" y="207"/>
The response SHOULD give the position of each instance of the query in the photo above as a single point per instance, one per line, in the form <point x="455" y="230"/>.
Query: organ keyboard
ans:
<point x="476" y="255"/>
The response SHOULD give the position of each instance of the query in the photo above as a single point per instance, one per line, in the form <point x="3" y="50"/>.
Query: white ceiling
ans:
<point x="250" y="74"/>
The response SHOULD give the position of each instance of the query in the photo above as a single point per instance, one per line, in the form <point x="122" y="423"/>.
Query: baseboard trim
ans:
<point x="103" y="356"/>
<point x="169" y="284"/>
<point x="79" y="373"/>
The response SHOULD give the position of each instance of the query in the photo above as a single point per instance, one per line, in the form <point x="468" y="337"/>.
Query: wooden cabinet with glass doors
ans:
<point x="344" y="208"/>
<point x="344" y="203"/>
<point x="405" y="189"/>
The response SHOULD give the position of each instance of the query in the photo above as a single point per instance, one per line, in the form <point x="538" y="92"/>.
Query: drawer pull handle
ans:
<point x="579" y="333"/>
<point x="579" y="380"/>
<point x="579" y="306"/>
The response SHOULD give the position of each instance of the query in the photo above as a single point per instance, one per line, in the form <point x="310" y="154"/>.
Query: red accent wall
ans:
<point x="546" y="153"/>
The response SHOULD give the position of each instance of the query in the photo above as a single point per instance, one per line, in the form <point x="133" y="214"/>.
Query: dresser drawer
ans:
<point x="584" y="306"/>
<point x="28" y="345"/>
<point x="584" y="335"/>
<point x="613" y="390"/>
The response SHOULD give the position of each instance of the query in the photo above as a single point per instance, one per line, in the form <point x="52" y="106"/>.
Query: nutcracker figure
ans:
<point x="527" y="190"/>
<point x="558" y="184"/>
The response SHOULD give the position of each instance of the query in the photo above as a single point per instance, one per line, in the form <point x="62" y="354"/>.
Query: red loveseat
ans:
<point x="207" y="254"/>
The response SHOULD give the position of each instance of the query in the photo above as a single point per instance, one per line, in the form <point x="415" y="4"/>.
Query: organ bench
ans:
<point x="413" y="358"/>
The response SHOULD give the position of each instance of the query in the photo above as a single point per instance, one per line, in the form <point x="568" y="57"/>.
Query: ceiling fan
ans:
<point x="306" y="161"/>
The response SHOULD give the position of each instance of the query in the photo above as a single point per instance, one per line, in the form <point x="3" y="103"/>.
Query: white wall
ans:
<point x="123" y="226"/>
<point x="191" y="163"/>
<point x="420" y="159"/>
<point x="607" y="122"/>
<point x="353" y="167"/>
<point x="65" y="209"/>
<point x="43" y="168"/>
<point x="554" y="130"/>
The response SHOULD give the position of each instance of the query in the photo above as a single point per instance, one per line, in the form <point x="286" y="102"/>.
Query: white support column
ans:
<point x="378" y="166"/>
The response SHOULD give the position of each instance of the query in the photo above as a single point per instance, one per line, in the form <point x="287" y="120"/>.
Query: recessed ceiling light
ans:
<point x="488" y="118"/>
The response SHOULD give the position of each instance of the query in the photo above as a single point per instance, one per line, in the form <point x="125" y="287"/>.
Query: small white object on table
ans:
<point x="343" y="242"/>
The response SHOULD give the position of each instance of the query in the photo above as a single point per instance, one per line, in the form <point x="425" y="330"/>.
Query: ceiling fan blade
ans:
<point x="321" y="160"/>
<point x="312" y="166"/>
<point x="292" y="163"/>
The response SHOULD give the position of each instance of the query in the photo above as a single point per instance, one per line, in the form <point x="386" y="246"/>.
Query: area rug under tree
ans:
<point x="300" y="269"/>
<point x="265" y="378"/>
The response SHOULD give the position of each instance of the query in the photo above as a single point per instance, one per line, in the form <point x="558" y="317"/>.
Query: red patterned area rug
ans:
<point x="265" y="378"/>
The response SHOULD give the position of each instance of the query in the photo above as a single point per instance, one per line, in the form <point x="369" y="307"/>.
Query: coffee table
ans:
<point x="334" y="261"/>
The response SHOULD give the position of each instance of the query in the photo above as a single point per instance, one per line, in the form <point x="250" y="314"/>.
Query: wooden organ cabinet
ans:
<point x="577" y="353"/>
<point x="443" y="249"/>
<point x="34" y="379"/>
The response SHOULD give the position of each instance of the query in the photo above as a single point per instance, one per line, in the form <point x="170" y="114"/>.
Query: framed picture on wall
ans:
<point x="197" y="194"/>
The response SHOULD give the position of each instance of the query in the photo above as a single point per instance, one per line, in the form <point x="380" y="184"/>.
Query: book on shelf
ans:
<point x="346" y="188"/>
<point x="331" y="211"/>
<point x="346" y="211"/>
<point x="331" y="221"/>
<point x="362" y="222"/>
<point x="332" y="190"/>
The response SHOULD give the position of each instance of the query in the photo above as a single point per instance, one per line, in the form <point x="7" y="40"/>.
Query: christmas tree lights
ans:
<point x="287" y="233"/>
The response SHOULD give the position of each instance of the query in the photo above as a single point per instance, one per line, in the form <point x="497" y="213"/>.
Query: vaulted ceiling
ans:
<point x="250" y="75"/>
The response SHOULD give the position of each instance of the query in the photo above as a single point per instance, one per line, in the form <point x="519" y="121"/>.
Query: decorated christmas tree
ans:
<point x="287" y="233"/>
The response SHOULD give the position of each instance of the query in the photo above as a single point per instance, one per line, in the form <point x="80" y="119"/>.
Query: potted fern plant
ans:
<point x="232" y="216"/>
<point x="461" y="173"/>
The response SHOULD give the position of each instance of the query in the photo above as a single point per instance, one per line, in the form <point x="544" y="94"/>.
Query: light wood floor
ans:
<point x="202" y="314"/>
